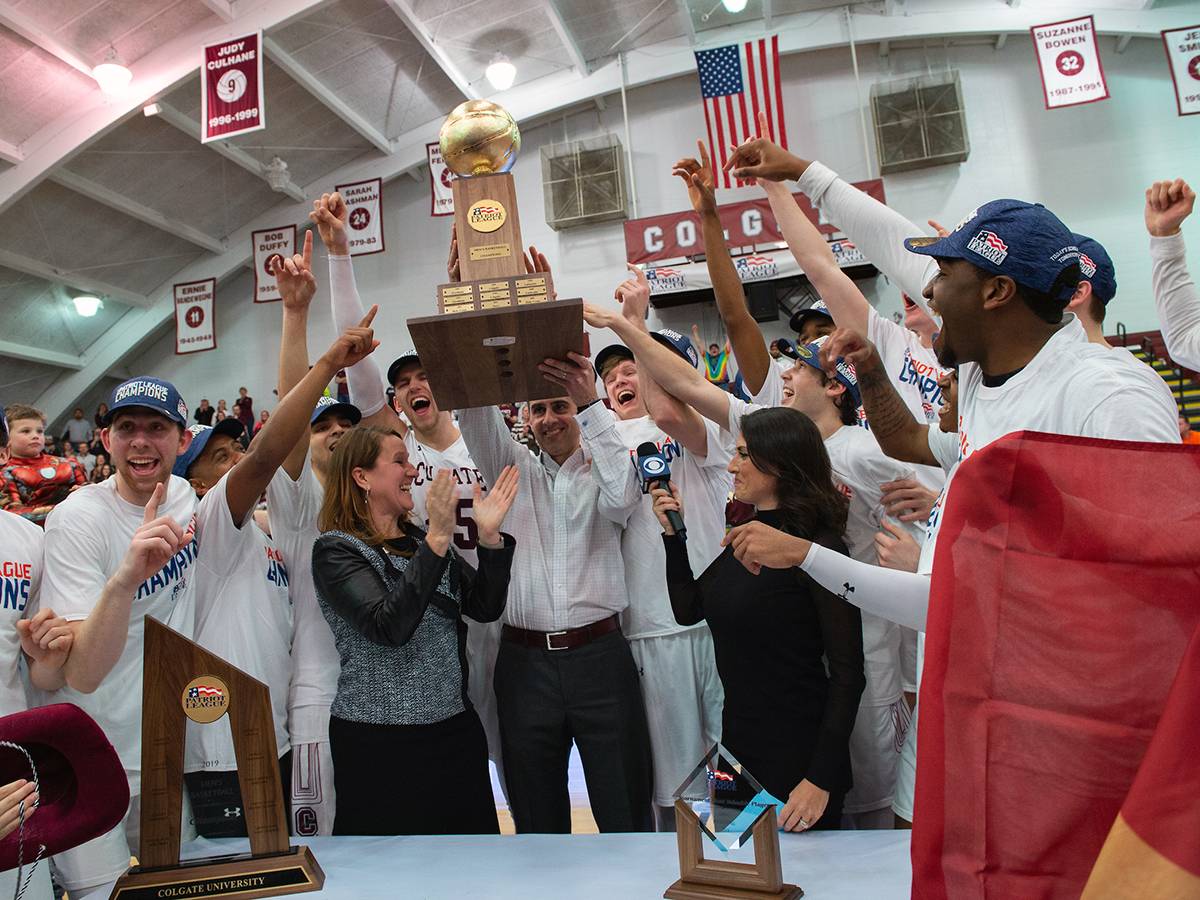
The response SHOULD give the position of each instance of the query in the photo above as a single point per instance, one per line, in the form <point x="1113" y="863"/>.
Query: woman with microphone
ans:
<point x="789" y="652"/>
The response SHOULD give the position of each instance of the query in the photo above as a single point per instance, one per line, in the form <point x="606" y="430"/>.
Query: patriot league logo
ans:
<point x="486" y="215"/>
<point x="989" y="245"/>
<point x="205" y="699"/>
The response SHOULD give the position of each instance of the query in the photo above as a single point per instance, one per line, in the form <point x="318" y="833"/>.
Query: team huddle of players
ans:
<point x="1002" y="332"/>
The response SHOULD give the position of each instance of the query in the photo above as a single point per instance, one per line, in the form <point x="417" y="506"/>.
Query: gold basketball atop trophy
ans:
<point x="479" y="138"/>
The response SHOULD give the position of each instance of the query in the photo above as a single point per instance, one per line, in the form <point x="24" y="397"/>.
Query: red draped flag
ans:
<point x="1065" y="590"/>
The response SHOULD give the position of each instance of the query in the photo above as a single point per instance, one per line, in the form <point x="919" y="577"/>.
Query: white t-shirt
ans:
<point x="771" y="392"/>
<point x="1070" y="387"/>
<point x="705" y="485"/>
<point x="20" y="579"/>
<point x="457" y="459"/>
<point x="87" y="536"/>
<point x="243" y="615"/>
<point x="293" y="508"/>
<point x="859" y="468"/>
<point x="914" y="368"/>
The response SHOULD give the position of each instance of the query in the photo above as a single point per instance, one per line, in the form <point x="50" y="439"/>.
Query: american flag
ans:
<point x="736" y="82"/>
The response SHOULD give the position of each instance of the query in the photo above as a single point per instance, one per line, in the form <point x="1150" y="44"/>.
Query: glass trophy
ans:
<point x="725" y="797"/>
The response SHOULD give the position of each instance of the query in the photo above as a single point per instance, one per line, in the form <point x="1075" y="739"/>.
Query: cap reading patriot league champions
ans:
<point x="201" y="434"/>
<point x="1024" y="241"/>
<point x="1096" y="268"/>
<point x="149" y="393"/>
<point x="668" y="337"/>
<point x="811" y="354"/>
<point x="327" y="405"/>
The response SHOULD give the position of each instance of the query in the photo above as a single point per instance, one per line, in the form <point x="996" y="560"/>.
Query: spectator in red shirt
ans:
<point x="243" y="408"/>
<point x="33" y="480"/>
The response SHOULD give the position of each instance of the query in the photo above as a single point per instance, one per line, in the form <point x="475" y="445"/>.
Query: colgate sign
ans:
<point x="747" y="224"/>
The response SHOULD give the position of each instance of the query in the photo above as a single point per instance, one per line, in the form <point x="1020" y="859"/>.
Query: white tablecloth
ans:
<point x="863" y="865"/>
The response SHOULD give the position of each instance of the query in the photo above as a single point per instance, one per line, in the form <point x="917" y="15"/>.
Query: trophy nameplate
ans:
<point x="737" y="811"/>
<point x="183" y="680"/>
<point x="499" y="322"/>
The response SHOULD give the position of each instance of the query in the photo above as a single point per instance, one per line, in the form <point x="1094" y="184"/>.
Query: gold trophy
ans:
<point x="498" y="322"/>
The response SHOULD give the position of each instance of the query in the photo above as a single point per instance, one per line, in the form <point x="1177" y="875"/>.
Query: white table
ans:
<point x="863" y="865"/>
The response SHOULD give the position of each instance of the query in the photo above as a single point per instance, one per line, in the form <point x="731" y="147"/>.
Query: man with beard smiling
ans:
<point x="431" y="438"/>
<point x="682" y="691"/>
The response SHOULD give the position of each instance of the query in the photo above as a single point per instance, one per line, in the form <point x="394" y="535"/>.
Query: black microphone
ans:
<point x="654" y="471"/>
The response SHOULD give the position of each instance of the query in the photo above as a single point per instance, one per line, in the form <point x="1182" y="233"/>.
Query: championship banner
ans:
<point x="364" y="205"/>
<point x="1183" y="55"/>
<point x="195" y="322"/>
<point x="747" y="224"/>
<point x="268" y="246"/>
<point x="441" y="195"/>
<point x="1061" y="605"/>
<point x="231" y="88"/>
<point x="1069" y="62"/>
<point x="678" y="278"/>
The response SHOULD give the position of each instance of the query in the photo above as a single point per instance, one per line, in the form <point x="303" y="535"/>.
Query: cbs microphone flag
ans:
<point x="269" y="245"/>
<point x="1183" y="56"/>
<point x="1069" y="62"/>
<point x="441" y="194"/>
<point x="195" y="322"/>
<point x="364" y="215"/>
<point x="231" y="88"/>
<point x="736" y="82"/>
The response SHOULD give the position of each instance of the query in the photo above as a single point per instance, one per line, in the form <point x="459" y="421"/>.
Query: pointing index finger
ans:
<point x="369" y="317"/>
<point x="151" y="512"/>
<point x="308" y="241"/>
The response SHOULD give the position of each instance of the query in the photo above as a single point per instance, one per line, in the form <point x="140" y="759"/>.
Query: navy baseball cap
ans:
<point x="796" y="322"/>
<point x="201" y="435"/>
<point x="1096" y="267"/>
<point x="669" y="337"/>
<point x="330" y="405"/>
<point x="408" y="357"/>
<point x="1024" y="241"/>
<point x="148" y="393"/>
<point x="610" y="355"/>
<point x="811" y="354"/>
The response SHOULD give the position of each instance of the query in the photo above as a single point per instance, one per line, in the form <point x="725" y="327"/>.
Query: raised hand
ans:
<point x="762" y="158"/>
<point x="452" y="269"/>
<point x="939" y="229"/>
<point x="574" y="375"/>
<point x="491" y="510"/>
<point x="441" y="502"/>
<point x="156" y="540"/>
<point x="329" y="214"/>
<point x="634" y="295"/>
<point x="294" y="277"/>
<point x="664" y="502"/>
<point x="851" y="346"/>
<point x="46" y="638"/>
<point x="601" y="317"/>
<point x="354" y="344"/>
<point x="698" y="176"/>
<point x="1168" y="203"/>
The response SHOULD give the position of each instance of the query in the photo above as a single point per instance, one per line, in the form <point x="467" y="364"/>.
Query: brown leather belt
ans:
<point x="562" y="640"/>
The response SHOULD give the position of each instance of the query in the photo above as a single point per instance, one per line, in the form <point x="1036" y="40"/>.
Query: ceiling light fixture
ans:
<point x="501" y="72"/>
<point x="112" y="76"/>
<point x="734" y="6"/>
<point x="87" y="305"/>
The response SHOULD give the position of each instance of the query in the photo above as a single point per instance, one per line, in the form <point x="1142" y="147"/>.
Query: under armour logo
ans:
<point x="847" y="590"/>
<point x="233" y="813"/>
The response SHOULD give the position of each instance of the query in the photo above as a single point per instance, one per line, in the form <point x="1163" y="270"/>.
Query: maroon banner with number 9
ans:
<point x="231" y="88"/>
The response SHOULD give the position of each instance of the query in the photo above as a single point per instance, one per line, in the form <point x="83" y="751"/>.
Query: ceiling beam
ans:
<point x="1001" y="40"/>
<point x="688" y="25"/>
<point x="223" y="9"/>
<point x="331" y="101"/>
<point x="235" y="155"/>
<point x="135" y="210"/>
<point x="564" y="35"/>
<point x="10" y="153"/>
<point x="70" y="279"/>
<point x="434" y="49"/>
<point x="17" y="21"/>
<point x="1123" y="42"/>
<point x="768" y="13"/>
<point x="27" y="353"/>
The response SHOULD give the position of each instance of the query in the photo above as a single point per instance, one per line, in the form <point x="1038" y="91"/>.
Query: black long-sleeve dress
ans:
<point x="409" y="752"/>
<point x="786" y="716"/>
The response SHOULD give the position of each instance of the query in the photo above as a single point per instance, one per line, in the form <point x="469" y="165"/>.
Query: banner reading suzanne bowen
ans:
<point x="364" y="215"/>
<point x="195" y="322"/>
<point x="1069" y="62"/>
<point x="232" y="100"/>
<point x="269" y="244"/>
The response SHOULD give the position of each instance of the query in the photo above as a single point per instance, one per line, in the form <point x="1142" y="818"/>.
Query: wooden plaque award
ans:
<point x="184" y="681"/>
<point x="499" y="322"/>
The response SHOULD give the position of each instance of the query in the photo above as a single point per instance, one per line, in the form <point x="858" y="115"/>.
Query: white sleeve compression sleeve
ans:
<point x="1176" y="299"/>
<point x="900" y="597"/>
<point x="364" y="378"/>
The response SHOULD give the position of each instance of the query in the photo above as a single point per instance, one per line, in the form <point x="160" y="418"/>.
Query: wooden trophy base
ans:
<point x="703" y="879"/>
<point x="244" y="876"/>
<point x="490" y="356"/>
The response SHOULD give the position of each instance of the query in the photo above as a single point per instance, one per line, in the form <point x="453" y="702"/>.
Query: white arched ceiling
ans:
<point x="99" y="197"/>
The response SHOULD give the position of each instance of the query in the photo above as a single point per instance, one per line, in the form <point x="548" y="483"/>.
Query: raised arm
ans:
<point x="296" y="284"/>
<point x="745" y="338"/>
<point x="289" y="423"/>
<point x="1168" y="204"/>
<point x="365" y="380"/>
<point x="490" y="443"/>
<point x="655" y="361"/>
